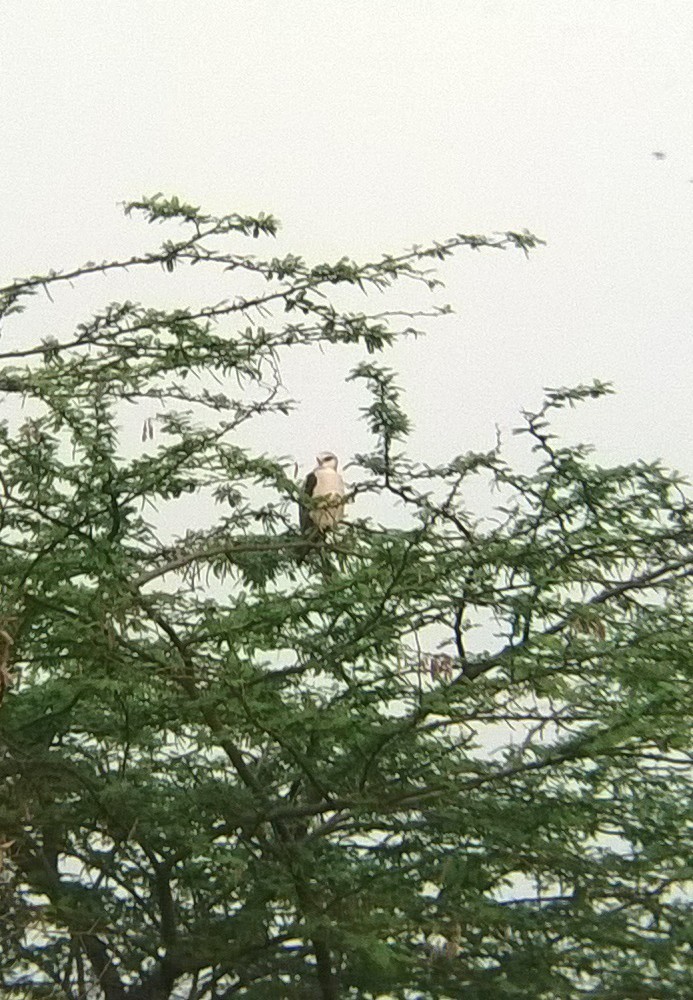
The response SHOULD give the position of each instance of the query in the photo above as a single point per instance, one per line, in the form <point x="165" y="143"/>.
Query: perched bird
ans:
<point x="325" y="487"/>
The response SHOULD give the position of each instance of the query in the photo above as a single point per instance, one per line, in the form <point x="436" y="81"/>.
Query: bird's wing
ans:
<point x="305" y="519"/>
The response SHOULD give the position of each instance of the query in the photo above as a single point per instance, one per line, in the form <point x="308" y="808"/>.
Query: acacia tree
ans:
<point x="229" y="773"/>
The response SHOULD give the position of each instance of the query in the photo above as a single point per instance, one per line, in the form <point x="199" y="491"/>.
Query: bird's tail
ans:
<point x="307" y="547"/>
<point x="314" y="552"/>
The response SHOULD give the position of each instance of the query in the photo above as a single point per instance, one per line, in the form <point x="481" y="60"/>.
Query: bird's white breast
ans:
<point x="330" y="486"/>
<point x="328" y="481"/>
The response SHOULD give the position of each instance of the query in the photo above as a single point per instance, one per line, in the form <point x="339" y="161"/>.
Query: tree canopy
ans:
<point x="229" y="773"/>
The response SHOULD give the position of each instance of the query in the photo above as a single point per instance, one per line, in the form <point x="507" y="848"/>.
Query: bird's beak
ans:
<point x="317" y="459"/>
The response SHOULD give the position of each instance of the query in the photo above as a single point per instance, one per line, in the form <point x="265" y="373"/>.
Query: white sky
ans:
<point x="367" y="127"/>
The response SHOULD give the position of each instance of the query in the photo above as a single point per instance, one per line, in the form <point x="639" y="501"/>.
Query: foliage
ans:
<point x="228" y="774"/>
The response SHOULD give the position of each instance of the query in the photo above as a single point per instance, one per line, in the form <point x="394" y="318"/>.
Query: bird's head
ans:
<point x="326" y="460"/>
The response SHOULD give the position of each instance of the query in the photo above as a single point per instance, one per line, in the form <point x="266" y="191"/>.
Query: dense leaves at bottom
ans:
<point x="447" y="756"/>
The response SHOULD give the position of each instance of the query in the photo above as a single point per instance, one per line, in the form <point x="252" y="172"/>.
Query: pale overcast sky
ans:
<point x="369" y="126"/>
